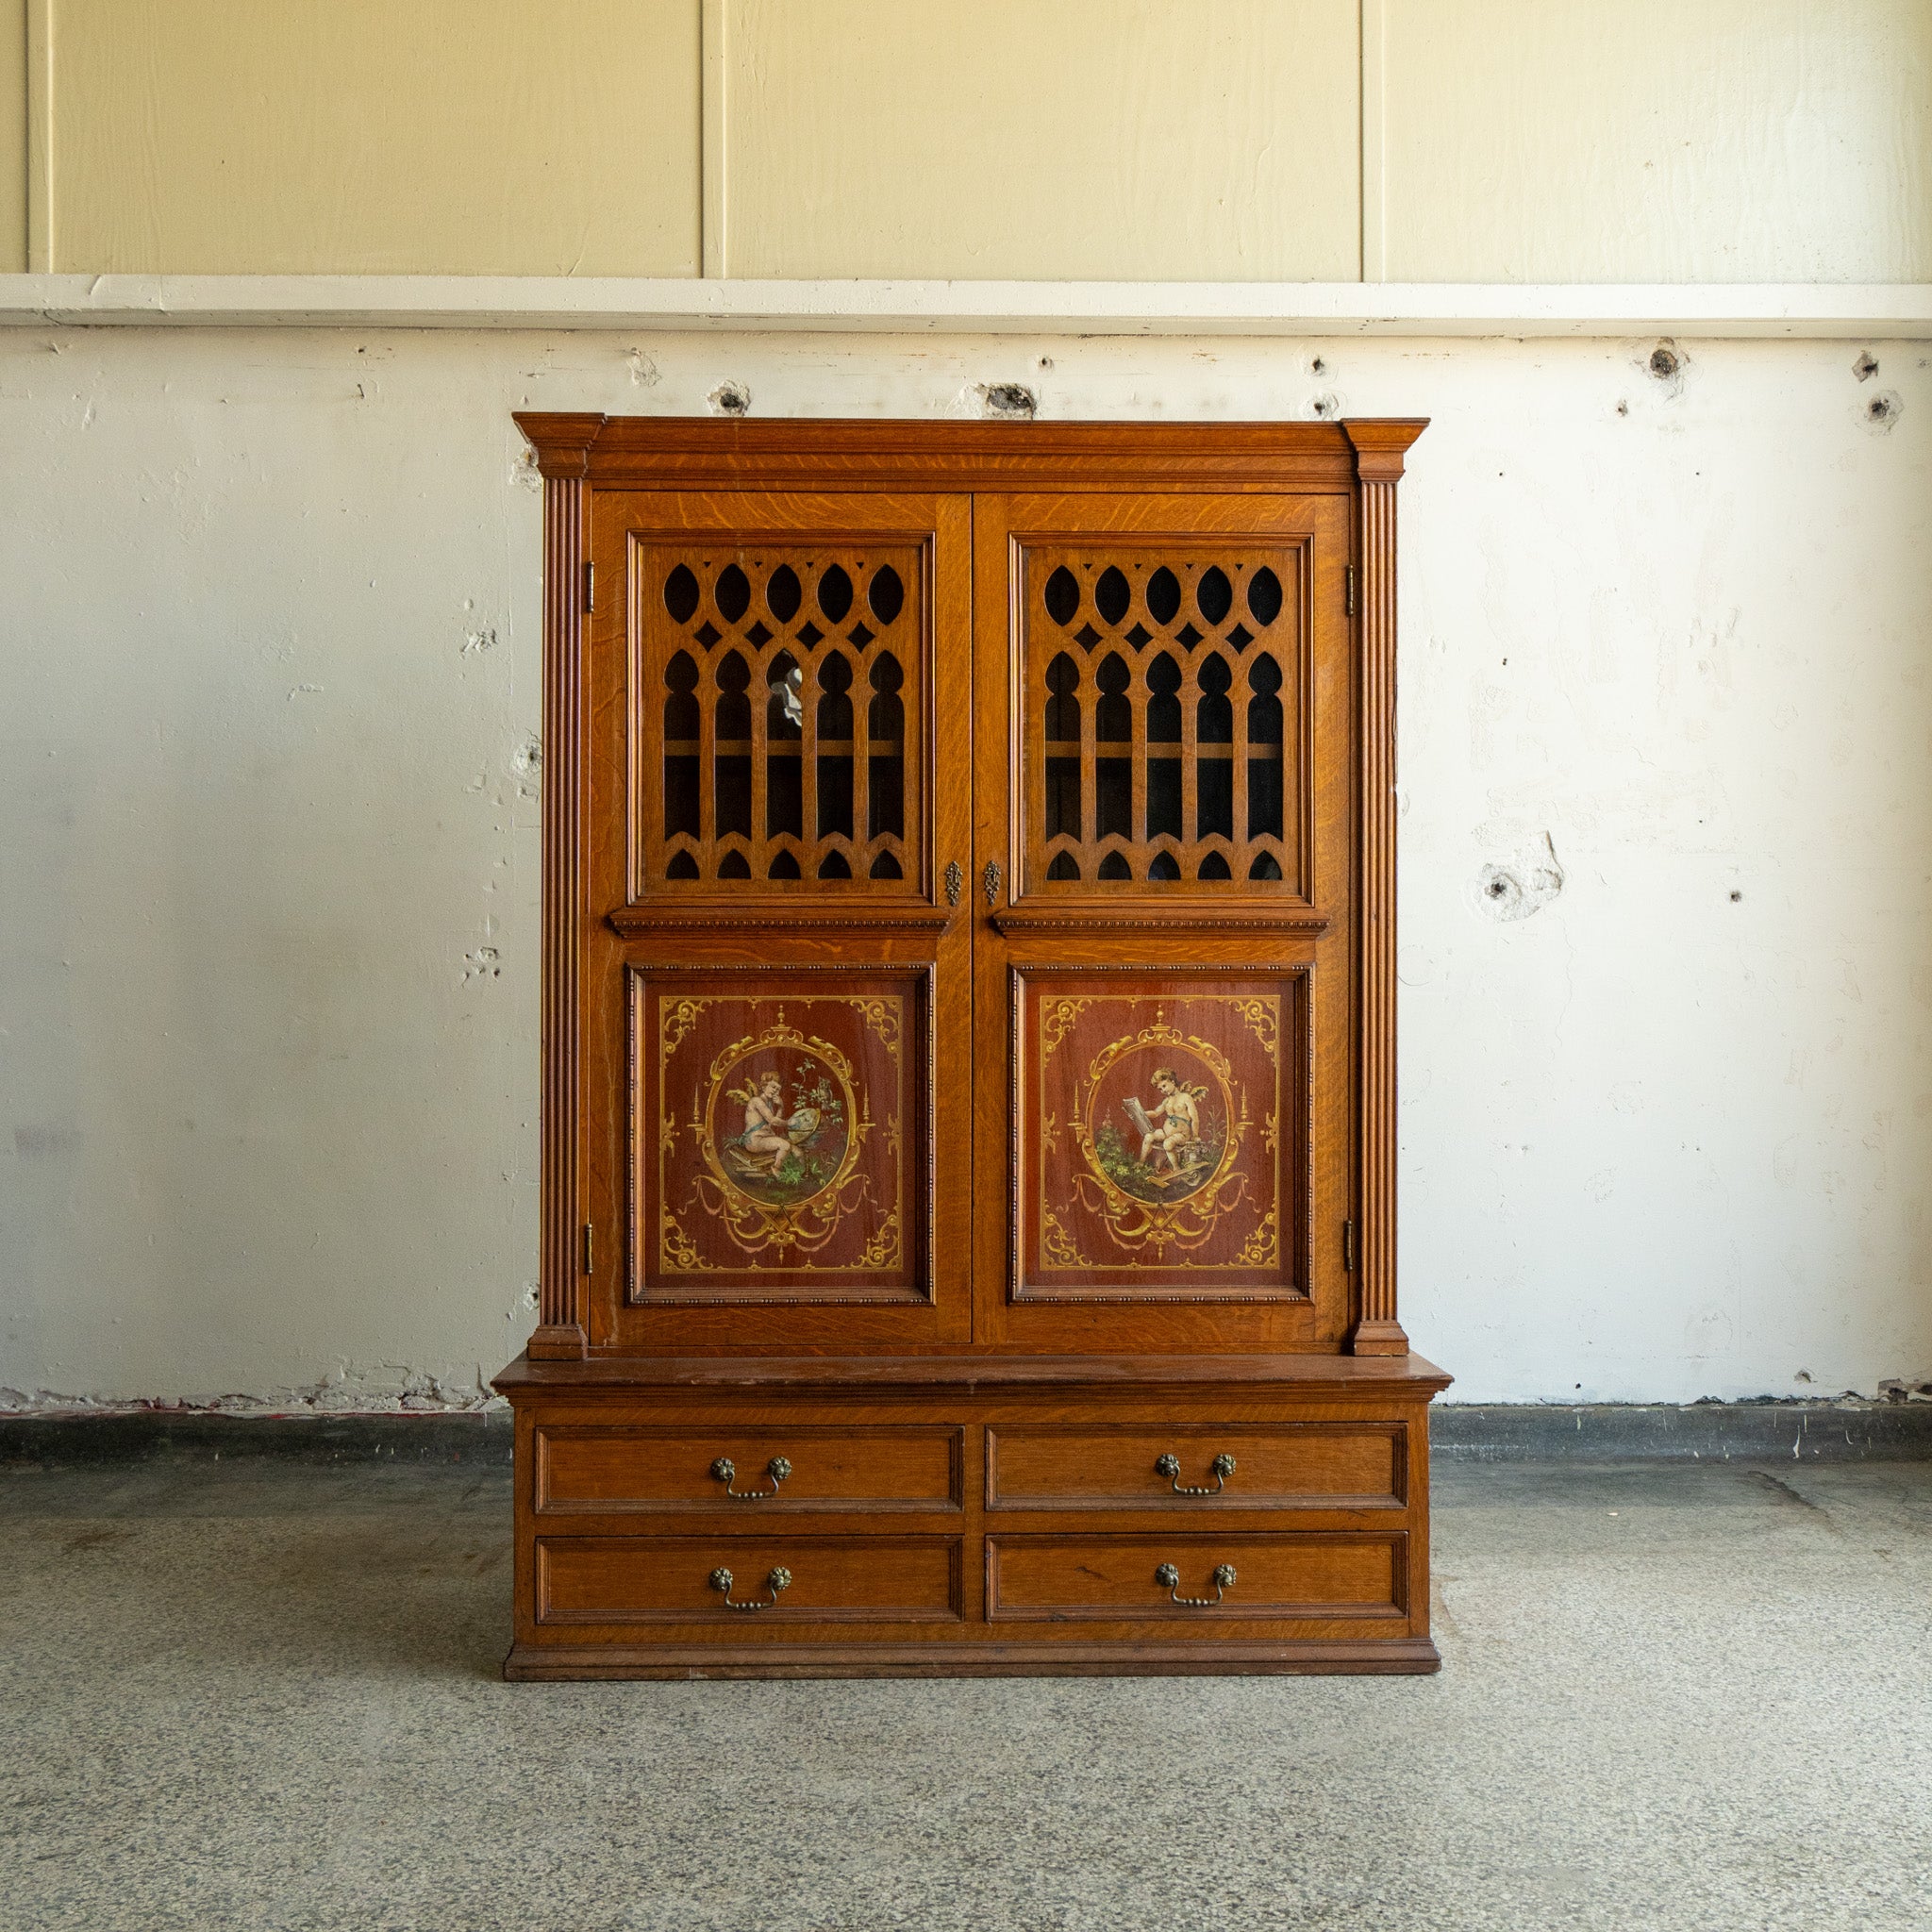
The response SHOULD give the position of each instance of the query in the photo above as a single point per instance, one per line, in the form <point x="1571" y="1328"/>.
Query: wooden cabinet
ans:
<point x="969" y="1078"/>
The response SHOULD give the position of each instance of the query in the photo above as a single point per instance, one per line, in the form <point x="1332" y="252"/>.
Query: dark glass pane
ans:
<point x="732" y="866"/>
<point x="681" y="797"/>
<point x="1264" y="709"/>
<point x="1164" y="798"/>
<point x="784" y="867"/>
<point x="1113" y="717"/>
<point x="1063" y="867"/>
<point x="1163" y="707"/>
<point x="681" y="707"/>
<point x="835" y="594"/>
<point x="785" y="706"/>
<point x="1063" y="595"/>
<point x="1265" y="867"/>
<point x="1264" y="798"/>
<point x="1214" y="797"/>
<point x="1215" y="867"/>
<point x="733" y="594"/>
<point x="885" y="809"/>
<point x="1214" y="716"/>
<point x="1163" y="597"/>
<point x="1063" y="797"/>
<point x="733" y="801"/>
<point x="835" y="707"/>
<point x="1264" y="596"/>
<point x="782" y="594"/>
<point x="1062" y="706"/>
<point x="887" y="596"/>
<point x="886" y="867"/>
<point x="833" y="866"/>
<point x="1112" y="596"/>
<point x="886" y="715"/>
<point x="682" y="866"/>
<point x="835" y="798"/>
<point x="785" y="796"/>
<point x="1214" y="594"/>
<point x="1164" y="866"/>
<point x="734" y="708"/>
<point x="1113" y="867"/>
<point x="1113" y="797"/>
<point x="681" y="594"/>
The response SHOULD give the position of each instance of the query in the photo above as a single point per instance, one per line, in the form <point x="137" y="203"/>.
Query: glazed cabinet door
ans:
<point x="1162" y="916"/>
<point x="777" y="981"/>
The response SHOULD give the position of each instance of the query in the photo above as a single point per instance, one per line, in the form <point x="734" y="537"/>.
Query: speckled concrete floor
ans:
<point x="265" y="1695"/>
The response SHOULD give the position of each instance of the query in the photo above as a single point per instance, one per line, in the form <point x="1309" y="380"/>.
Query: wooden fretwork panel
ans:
<point x="780" y="1135"/>
<point x="780" y="699"/>
<point x="1161" y="1135"/>
<point x="1163" y="706"/>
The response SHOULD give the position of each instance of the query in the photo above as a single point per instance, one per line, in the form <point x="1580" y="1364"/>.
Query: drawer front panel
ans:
<point x="1276" y="1466"/>
<point x="586" y="1469"/>
<point x="610" y="1580"/>
<point x="1114" y="1578"/>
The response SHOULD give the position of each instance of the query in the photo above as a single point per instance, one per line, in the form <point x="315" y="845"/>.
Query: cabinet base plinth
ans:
<point x="538" y="1663"/>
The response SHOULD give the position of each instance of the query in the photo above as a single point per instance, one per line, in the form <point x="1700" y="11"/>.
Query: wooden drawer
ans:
<point x="592" y="1469"/>
<point x="1116" y="1579"/>
<point x="1276" y="1466"/>
<point x="617" y="1579"/>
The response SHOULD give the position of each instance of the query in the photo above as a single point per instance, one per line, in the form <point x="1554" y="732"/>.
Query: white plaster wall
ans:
<point x="268" y="840"/>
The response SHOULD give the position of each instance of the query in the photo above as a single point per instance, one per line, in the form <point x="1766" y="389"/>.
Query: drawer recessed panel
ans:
<point x="1199" y="1467"/>
<point x="757" y="1469"/>
<point x="752" y="1585"/>
<point x="1204" y="1579"/>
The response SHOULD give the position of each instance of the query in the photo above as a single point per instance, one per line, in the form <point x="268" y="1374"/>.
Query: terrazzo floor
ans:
<point x="263" y="1694"/>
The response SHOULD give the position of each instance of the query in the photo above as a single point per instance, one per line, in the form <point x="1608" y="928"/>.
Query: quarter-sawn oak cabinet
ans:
<point x="969" y="1080"/>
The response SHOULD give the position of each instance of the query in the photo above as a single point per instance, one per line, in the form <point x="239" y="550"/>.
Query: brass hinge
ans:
<point x="1348" y="577"/>
<point x="591" y="589"/>
<point x="589" y="1248"/>
<point x="1348" y="1248"/>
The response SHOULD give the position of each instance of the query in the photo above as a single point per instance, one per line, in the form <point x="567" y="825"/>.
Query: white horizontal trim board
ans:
<point x="1872" y="312"/>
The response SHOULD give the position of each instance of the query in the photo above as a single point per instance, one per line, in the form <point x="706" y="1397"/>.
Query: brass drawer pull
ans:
<point x="1169" y="1579"/>
<point x="1219" y="1468"/>
<point x="780" y="1579"/>
<point x="725" y="1470"/>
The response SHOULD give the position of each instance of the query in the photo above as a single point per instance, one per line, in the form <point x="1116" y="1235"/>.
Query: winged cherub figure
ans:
<point x="1173" y="1123"/>
<point x="766" y="1139"/>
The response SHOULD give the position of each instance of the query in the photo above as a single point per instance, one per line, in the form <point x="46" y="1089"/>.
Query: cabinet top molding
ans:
<point x="694" y="451"/>
<point x="1866" y="311"/>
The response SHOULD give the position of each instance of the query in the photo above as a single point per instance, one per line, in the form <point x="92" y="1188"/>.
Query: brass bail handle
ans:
<point x="780" y="1579"/>
<point x="1219" y="1468"/>
<point x="1169" y="1579"/>
<point x="725" y="1470"/>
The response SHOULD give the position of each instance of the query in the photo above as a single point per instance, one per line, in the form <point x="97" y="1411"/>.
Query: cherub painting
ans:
<point x="1180" y="1142"/>
<point x="789" y="1149"/>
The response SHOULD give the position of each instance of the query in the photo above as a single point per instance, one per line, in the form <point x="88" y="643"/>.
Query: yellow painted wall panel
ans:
<point x="461" y="137"/>
<point x="12" y="136"/>
<point x="1170" y="139"/>
<point x="1722" y="140"/>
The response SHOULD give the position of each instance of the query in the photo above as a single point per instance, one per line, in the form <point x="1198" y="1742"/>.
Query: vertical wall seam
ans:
<point x="1374" y="223"/>
<point x="711" y="183"/>
<point x="39" y="137"/>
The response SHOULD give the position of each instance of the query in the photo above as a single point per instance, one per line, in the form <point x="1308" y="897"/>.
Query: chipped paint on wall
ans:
<point x="269" y="1058"/>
